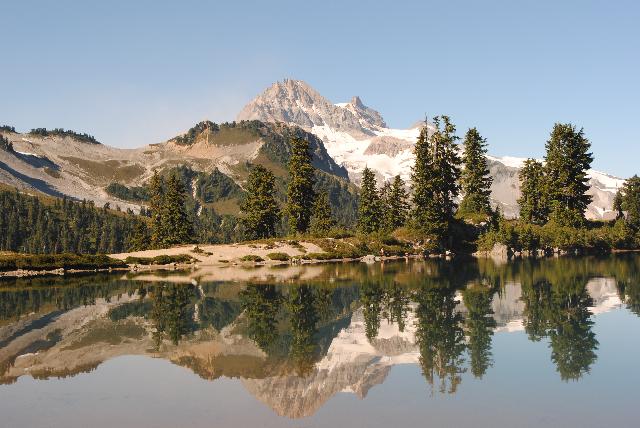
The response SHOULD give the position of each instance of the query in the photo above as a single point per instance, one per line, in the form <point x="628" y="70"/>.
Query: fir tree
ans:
<point x="260" y="206"/>
<point x="395" y="202"/>
<point x="630" y="203"/>
<point x="139" y="239"/>
<point x="617" y="204"/>
<point x="566" y="164"/>
<point x="533" y="207"/>
<point x="435" y="180"/>
<point x="300" y="193"/>
<point x="156" y="205"/>
<point x="175" y="220"/>
<point x="369" y="210"/>
<point x="475" y="179"/>
<point x="322" y="220"/>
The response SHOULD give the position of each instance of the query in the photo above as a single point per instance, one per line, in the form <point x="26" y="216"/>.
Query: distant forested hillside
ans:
<point x="42" y="225"/>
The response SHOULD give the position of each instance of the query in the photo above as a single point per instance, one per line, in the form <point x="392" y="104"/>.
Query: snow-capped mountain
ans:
<point x="357" y="136"/>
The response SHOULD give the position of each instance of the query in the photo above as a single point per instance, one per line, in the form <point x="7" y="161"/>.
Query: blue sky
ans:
<point x="133" y="73"/>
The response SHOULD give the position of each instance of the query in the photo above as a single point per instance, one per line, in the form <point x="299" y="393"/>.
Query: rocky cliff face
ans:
<point x="357" y="136"/>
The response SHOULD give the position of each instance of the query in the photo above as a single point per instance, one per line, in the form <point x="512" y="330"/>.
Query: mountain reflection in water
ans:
<point x="297" y="337"/>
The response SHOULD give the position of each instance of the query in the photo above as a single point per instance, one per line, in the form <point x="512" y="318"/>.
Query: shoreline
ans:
<point x="255" y="254"/>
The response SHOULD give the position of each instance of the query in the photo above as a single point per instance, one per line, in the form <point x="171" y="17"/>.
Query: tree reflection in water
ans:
<point x="173" y="312"/>
<point x="479" y="326"/>
<point x="439" y="314"/>
<point x="440" y="337"/>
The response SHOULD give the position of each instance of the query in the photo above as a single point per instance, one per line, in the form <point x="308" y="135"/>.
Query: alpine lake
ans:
<point x="463" y="343"/>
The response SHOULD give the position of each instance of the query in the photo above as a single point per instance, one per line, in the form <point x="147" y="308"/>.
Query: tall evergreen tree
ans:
<point x="156" y="205"/>
<point x="369" y="210"/>
<point x="533" y="206"/>
<point x="566" y="164"/>
<point x="435" y="180"/>
<point x="322" y="220"/>
<point x="475" y="179"/>
<point x="630" y="202"/>
<point x="617" y="204"/>
<point x="175" y="220"/>
<point x="396" y="204"/>
<point x="300" y="193"/>
<point x="260" y="207"/>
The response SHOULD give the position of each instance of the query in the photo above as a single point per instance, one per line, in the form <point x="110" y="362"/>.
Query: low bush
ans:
<point x="251" y="258"/>
<point x="159" y="260"/>
<point x="280" y="257"/>
<point x="9" y="262"/>
<point x="320" y="256"/>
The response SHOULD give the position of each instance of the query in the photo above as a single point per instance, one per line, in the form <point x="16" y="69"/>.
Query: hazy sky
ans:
<point x="138" y="72"/>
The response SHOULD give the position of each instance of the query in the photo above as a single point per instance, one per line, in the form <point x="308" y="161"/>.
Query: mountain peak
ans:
<point x="298" y="103"/>
<point x="357" y="102"/>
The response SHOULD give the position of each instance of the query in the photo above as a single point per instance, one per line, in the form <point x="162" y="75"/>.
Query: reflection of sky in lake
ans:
<point x="521" y="388"/>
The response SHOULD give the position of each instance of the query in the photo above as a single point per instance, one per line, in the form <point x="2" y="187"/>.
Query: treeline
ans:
<point x="35" y="225"/>
<point x="448" y="206"/>
<point x="7" y="128"/>
<point x="60" y="132"/>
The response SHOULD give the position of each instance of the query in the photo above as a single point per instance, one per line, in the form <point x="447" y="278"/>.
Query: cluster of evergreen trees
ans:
<point x="556" y="190"/>
<point x="437" y="180"/>
<point x="170" y="223"/>
<point x="554" y="199"/>
<point x="34" y="225"/>
<point x="305" y="210"/>
<point x="5" y="144"/>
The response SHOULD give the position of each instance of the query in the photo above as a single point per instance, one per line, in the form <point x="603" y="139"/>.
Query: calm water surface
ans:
<point x="470" y="343"/>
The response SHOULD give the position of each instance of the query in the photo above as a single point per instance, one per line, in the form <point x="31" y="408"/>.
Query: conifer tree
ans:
<point x="617" y="204"/>
<point x="260" y="206"/>
<point x="533" y="207"/>
<point x="384" y="194"/>
<point x="566" y="163"/>
<point x="369" y="209"/>
<point x="300" y="193"/>
<point x="475" y="179"/>
<point x="322" y="220"/>
<point x="630" y="203"/>
<point x="175" y="220"/>
<point x="435" y="180"/>
<point x="139" y="239"/>
<point x="396" y="205"/>
<point x="156" y="205"/>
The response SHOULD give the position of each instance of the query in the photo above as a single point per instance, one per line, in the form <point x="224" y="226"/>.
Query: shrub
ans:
<point x="57" y="261"/>
<point x="159" y="260"/>
<point x="281" y="257"/>
<point x="251" y="258"/>
<point x="320" y="256"/>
